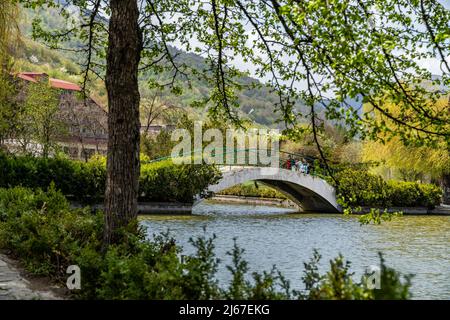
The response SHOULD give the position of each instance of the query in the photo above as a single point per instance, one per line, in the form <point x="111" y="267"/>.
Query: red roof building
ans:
<point x="37" y="76"/>
<point x="85" y="118"/>
<point x="54" y="83"/>
<point x="26" y="77"/>
<point x="65" y="85"/>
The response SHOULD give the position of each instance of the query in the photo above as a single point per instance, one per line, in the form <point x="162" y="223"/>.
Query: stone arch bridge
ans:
<point x="312" y="194"/>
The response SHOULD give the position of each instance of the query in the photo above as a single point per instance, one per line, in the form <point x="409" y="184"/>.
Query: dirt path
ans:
<point x="13" y="286"/>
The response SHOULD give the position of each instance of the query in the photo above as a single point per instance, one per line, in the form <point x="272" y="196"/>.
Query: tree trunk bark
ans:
<point x="122" y="181"/>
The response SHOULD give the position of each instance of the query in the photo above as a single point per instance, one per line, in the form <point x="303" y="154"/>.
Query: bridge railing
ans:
<point x="285" y="159"/>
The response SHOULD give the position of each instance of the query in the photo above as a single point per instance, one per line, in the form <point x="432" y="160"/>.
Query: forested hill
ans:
<point x="256" y="103"/>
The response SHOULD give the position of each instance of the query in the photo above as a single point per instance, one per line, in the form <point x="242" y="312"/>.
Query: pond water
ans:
<point x="419" y="245"/>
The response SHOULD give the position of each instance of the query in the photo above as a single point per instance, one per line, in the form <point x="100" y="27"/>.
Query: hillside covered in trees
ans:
<point x="257" y="102"/>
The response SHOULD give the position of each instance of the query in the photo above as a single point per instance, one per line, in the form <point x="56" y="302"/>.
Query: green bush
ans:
<point x="250" y="190"/>
<point x="165" y="181"/>
<point x="401" y="193"/>
<point x="85" y="181"/>
<point x="47" y="237"/>
<point x="338" y="283"/>
<point x="14" y="202"/>
<point x="361" y="188"/>
<point x="80" y="181"/>
<point x="40" y="229"/>
<point x="414" y="194"/>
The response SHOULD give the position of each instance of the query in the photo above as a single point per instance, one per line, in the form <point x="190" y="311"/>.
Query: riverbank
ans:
<point x="178" y="208"/>
<point x="284" y="203"/>
<point x="186" y="209"/>
<point x="442" y="210"/>
<point x="16" y="285"/>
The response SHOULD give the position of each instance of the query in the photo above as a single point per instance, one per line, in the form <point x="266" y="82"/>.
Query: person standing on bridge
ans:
<point x="298" y="165"/>
<point x="288" y="162"/>
<point x="305" y="166"/>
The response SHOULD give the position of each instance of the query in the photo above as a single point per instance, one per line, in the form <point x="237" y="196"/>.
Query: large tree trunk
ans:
<point x="124" y="49"/>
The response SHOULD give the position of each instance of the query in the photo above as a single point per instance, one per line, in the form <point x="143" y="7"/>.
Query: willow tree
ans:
<point x="318" y="52"/>
<point x="9" y="36"/>
<point x="8" y="30"/>
<point x="409" y="161"/>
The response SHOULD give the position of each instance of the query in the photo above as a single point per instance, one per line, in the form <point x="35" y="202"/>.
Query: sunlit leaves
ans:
<point x="317" y="53"/>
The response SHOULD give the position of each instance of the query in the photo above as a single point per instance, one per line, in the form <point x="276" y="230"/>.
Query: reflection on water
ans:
<point x="274" y="236"/>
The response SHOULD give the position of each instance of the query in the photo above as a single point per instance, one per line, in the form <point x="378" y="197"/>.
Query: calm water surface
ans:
<point x="274" y="236"/>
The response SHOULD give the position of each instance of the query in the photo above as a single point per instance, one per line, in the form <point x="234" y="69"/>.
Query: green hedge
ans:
<point x="361" y="188"/>
<point x="165" y="181"/>
<point x="414" y="194"/>
<point x="82" y="181"/>
<point x="85" y="181"/>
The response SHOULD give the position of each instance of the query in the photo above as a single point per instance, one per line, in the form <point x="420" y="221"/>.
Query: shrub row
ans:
<point x="40" y="230"/>
<point x="361" y="188"/>
<point x="85" y="181"/>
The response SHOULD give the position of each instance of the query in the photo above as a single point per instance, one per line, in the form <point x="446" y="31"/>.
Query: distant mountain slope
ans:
<point x="258" y="104"/>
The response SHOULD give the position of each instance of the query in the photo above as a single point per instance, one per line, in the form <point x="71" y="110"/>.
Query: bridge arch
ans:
<point x="311" y="193"/>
